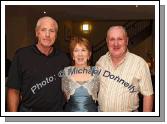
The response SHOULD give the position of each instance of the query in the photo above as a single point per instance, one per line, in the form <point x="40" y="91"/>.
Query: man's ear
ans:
<point x="127" y="41"/>
<point x="106" y="39"/>
<point x="36" y="32"/>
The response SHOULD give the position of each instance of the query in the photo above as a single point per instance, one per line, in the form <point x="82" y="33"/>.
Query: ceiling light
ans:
<point x="86" y="27"/>
<point x="44" y="12"/>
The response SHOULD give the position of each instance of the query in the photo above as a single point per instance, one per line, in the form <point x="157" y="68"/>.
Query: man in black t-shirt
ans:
<point x="33" y="82"/>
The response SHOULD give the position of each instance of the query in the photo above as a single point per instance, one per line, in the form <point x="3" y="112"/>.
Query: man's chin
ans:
<point x="47" y="45"/>
<point x="116" y="55"/>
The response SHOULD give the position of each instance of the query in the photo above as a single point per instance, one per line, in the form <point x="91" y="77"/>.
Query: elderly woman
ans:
<point x="80" y="84"/>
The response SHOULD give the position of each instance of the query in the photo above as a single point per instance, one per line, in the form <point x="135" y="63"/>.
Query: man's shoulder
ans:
<point x="103" y="58"/>
<point x="62" y="56"/>
<point x="136" y="57"/>
<point x="60" y="52"/>
<point x="23" y="50"/>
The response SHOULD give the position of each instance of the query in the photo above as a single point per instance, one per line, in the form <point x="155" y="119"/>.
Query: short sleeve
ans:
<point x="145" y="80"/>
<point x="14" y="78"/>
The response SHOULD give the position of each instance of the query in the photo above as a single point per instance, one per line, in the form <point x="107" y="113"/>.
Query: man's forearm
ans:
<point x="148" y="103"/>
<point x="13" y="99"/>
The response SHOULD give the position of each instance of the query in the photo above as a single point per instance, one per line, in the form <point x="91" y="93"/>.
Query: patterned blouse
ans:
<point x="69" y="85"/>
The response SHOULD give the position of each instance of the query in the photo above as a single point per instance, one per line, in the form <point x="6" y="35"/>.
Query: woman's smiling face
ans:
<point x="81" y="55"/>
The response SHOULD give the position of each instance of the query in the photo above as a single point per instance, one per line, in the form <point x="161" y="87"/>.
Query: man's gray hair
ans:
<point x="120" y="27"/>
<point x="46" y="17"/>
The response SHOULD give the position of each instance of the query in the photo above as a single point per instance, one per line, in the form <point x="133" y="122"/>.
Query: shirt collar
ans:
<point x="39" y="52"/>
<point x="122" y="61"/>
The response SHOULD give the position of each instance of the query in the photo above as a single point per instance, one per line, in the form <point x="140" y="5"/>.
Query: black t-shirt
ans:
<point x="7" y="66"/>
<point x="36" y="76"/>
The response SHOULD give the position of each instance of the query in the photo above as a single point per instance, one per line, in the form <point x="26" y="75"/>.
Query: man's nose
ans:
<point x="115" y="43"/>
<point x="47" y="33"/>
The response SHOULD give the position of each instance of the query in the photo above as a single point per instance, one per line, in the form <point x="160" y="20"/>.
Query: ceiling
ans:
<point x="79" y="12"/>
